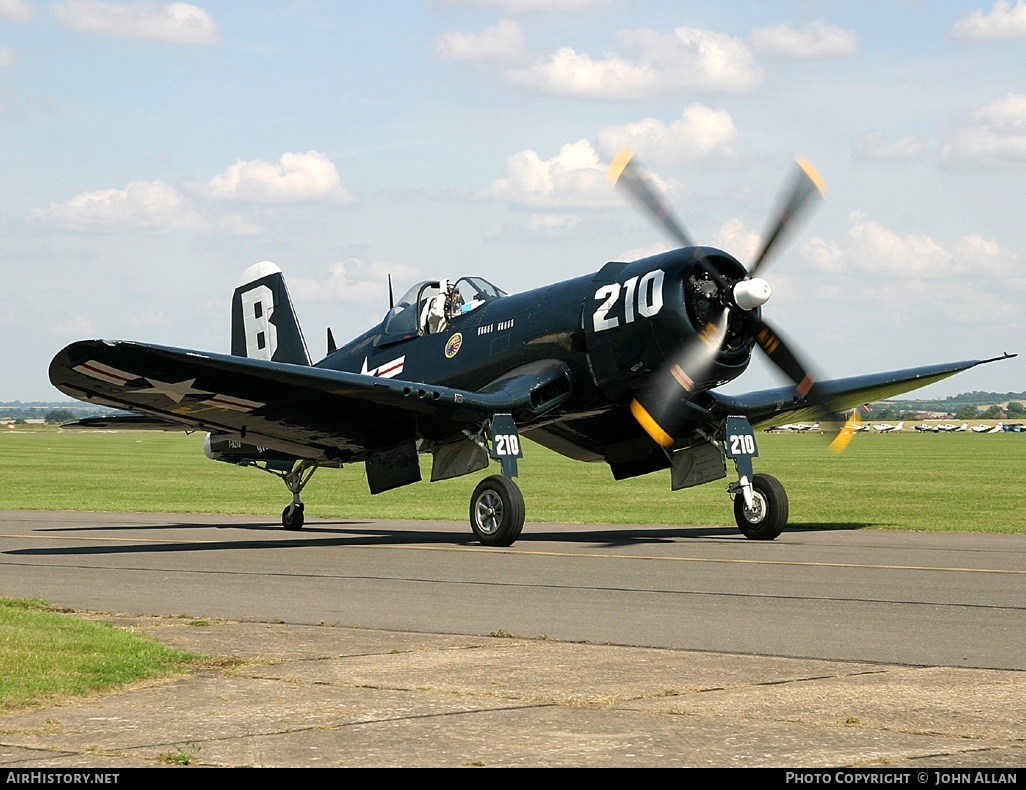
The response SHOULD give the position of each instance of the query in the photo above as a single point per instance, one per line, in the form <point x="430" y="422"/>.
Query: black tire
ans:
<point x="768" y="516"/>
<point x="497" y="511"/>
<point x="292" y="517"/>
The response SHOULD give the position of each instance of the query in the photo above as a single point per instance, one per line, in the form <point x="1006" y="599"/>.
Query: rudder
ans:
<point x="264" y="322"/>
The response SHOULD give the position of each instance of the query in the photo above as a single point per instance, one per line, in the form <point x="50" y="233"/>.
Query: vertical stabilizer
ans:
<point x="264" y="323"/>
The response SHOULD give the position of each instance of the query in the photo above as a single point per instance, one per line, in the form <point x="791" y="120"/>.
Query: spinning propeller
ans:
<point x="733" y="300"/>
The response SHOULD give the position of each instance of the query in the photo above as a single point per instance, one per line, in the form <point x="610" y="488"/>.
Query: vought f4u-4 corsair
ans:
<point x="620" y="366"/>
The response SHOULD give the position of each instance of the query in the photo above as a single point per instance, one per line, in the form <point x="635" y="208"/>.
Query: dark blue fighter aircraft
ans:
<point x="619" y="366"/>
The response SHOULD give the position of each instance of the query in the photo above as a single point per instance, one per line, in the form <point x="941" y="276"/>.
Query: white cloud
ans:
<point x="874" y="145"/>
<point x="918" y="280"/>
<point x="155" y="207"/>
<point x="817" y="39"/>
<point x="1004" y="21"/>
<point x="540" y="225"/>
<point x="987" y="256"/>
<point x="18" y="10"/>
<point x="700" y="133"/>
<point x="294" y="178"/>
<point x="149" y="206"/>
<point x="181" y="23"/>
<point x="656" y="65"/>
<point x="574" y="177"/>
<point x="992" y="135"/>
<point x="354" y="281"/>
<point x="504" y="42"/>
<point x="739" y="241"/>
<point x="644" y="251"/>
<point x="75" y="327"/>
<point x="6" y="56"/>
<point x="876" y="249"/>
<point x="880" y="249"/>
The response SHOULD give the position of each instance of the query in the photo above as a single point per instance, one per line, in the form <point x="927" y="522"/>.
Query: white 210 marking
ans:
<point x="507" y="444"/>
<point x="643" y="296"/>
<point x="742" y="444"/>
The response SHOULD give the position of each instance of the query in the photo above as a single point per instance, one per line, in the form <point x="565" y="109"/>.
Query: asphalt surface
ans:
<point x="301" y="694"/>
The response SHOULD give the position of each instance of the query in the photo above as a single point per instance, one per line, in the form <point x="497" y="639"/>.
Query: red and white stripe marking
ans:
<point x="98" y="370"/>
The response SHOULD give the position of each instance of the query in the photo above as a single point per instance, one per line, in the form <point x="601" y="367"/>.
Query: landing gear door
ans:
<point x="506" y="443"/>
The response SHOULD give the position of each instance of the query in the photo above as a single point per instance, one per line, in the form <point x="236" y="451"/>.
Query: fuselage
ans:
<point x="480" y="345"/>
<point x="612" y="329"/>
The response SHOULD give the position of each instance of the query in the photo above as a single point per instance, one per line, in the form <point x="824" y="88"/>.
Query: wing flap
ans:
<point x="128" y="422"/>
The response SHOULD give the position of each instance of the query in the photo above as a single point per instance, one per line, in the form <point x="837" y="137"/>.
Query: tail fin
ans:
<point x="264" y="323"/>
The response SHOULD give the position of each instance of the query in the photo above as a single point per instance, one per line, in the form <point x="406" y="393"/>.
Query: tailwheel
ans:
<point x="497" y="511"/>
<point x="295" y="480"/>
<point x="767" y="516"/>
<point x="292" y="516"/>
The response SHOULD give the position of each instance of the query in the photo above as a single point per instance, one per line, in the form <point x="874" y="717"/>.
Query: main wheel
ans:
<point x="497" y="511"/>
<point x="292" y="517"/>
<point x="768" y="515"/>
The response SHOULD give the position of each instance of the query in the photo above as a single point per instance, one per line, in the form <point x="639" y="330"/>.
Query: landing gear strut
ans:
<point x="295" y="479"/>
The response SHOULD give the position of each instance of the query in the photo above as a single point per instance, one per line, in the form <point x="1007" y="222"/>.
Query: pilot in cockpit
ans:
<point x="449" y="301"/>
<point x="439" y="309"/>
<point x="433" y="317"/>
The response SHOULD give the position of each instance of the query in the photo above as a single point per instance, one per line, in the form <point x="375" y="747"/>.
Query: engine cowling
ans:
<point x="642" y="313"/>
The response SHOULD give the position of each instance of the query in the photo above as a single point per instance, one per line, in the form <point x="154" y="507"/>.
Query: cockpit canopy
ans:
<point x="430" y="305"/>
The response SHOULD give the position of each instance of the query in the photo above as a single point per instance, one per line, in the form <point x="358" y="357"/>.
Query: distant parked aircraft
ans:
<point x="883" y="427"/>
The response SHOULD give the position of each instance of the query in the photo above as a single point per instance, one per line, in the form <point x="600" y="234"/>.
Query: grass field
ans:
<point x="953" y="482"/>
<point x="46" y="655"/>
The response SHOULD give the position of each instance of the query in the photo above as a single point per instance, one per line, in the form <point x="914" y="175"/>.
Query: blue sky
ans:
<point x="151" y="152"/>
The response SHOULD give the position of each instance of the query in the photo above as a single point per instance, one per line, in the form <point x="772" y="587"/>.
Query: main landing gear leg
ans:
<point x="760" y="501"/>
<point x="296" y="480"/>
<point x="497" y="507"/>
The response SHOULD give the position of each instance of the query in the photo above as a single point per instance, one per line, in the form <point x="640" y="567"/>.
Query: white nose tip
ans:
<point x="749" y="294"/>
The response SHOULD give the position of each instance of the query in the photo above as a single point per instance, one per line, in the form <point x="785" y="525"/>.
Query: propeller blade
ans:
<point x="624" y="171"/>
<point x="781" y="355"/>
<point x="846" y="434"/>
<point x="805" y="380"/>
<point x="807" y="185"/>
<point x="682" y="374"/>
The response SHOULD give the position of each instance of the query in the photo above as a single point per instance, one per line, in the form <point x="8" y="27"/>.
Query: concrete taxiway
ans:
<point x="310" y="696"/>
<point x="324" y="692"/>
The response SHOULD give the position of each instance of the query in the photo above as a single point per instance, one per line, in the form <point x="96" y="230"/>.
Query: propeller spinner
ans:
<point x="735" y="300"/>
